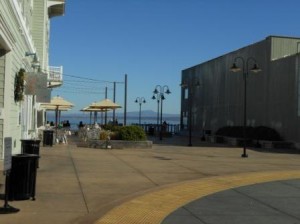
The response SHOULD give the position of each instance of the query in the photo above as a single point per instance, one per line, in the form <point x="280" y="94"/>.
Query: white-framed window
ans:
<point x="186" y="93"/>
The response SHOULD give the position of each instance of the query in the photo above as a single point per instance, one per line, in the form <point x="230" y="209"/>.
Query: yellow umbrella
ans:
<point x="57" y="103"/>
<point x="52" y="107"/>
<point x="95" y="110"/>
<point x="90" y="109"/>
<point x="105" y="104"/>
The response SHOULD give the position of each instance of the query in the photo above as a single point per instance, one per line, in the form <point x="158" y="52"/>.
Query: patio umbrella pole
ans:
<point x="56" y="121"/>
<point x="90" y="117"/>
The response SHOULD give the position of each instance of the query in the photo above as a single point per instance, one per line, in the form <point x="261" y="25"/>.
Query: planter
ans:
<point x="115" y="144"/>
<point x="276" y="144"/>
<point x="234" y="141"/>
<point x="238" y="141"/>
<point x="215" y="139"/>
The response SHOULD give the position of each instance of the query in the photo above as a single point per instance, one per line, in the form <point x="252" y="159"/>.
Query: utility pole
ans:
<point x="114" y="98"/>
<point x="105" y="116"/>
<point x="125" y="101"/>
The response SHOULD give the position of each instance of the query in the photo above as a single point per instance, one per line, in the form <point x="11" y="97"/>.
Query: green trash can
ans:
<point x="30" y="146"/>
<point x="48" y="138"/>
<point x="22" y="177"/>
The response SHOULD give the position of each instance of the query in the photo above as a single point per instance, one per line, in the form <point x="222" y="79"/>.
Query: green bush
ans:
<point x="104" y="135"/>
<point x="265" y="133"/>
<point x="115" y="135"/>
<point x="254" y="133"/>
<point x="235" y="131"/>
<point x="114" y="128"/>
<point x="132" y="133"/>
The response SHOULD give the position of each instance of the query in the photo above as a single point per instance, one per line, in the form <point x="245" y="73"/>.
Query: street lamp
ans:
<point x="245" y="69"/>
<point x="140" y="100"/>
<point x="156" y="97"/>
<point x="190" y="88"/>
<point x="158" y="94"/>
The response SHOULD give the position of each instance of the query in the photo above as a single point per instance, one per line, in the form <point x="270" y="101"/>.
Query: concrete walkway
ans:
<point x="82" y="185"/>
<point x="272" y="202"/>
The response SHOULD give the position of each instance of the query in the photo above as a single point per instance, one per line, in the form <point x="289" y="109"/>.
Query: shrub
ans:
<point x="232" y="131"/>
<point x="104" y="135"/>
<point x="265" y="133"/>
<point x="254" y="133"/>
<point x="115" y="135"/>
<point x="132" y="133"/>
<point x="111" y="127"/>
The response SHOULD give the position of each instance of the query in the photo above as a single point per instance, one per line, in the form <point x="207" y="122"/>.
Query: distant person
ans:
<point x="164" y="126"/>
<point x="80" y="124"/>
<point x="67" y="124"/>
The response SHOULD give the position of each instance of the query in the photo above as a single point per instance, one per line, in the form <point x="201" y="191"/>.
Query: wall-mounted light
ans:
<point x="35" y="63"/>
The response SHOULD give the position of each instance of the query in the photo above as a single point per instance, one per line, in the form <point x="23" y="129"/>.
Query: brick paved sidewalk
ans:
<point x="80" y="185"/>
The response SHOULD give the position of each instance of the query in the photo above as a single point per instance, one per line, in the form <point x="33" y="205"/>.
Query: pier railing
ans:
<point x="153" y="129"/>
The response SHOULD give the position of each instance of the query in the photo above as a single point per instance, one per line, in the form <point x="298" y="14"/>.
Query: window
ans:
<point x="186" y="93"/>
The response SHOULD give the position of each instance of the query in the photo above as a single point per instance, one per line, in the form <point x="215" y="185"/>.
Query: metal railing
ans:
<point x="153" y="129"/>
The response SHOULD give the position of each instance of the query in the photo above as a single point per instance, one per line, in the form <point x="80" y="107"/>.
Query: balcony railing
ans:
<point x="55" y="76"/>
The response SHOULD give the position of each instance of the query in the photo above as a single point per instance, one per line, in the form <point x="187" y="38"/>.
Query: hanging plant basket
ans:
<point x="19" y="85"/>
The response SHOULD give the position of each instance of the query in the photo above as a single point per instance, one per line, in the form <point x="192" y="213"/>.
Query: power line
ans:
<point x="79" y="86"/>
<point x="84" y="78"/>
<point x="87" y="81"/>
<point x="95" y="80"/>
<point x="80" y="92"/>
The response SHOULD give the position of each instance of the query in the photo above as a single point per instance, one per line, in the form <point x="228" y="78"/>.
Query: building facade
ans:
<point x="213" y="96"/>
<point x="24" y="46"/>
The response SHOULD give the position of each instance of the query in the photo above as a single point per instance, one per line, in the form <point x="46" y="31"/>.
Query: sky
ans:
<point x="99" y="41"/>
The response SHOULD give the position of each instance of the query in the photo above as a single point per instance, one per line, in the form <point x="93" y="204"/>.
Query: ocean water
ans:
<point x="74" y="119"/>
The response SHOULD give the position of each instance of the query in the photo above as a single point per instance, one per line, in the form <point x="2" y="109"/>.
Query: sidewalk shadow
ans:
<point x="2" y="196"/>
<point x="275" y="150"/>
<point x="180" y="140"/>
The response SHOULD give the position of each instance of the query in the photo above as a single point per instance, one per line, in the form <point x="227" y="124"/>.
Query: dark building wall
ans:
<point x="272" y="94"/>
<point x="282" y="104"/>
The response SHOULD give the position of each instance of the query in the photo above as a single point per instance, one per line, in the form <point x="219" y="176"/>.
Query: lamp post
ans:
<point x="245" y="69"/>
<point x="158" y="94"/>
<point x="156" y="97"/>
<point x="189" y="85"/>
<point x="140" y="101"/>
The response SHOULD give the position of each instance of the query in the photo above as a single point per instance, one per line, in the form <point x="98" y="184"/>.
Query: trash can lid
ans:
<point x="30" y="140"/>
<point x="26" y="155"/>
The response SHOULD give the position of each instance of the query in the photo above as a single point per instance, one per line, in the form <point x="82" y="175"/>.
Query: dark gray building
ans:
<point x="215" y="95"/>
